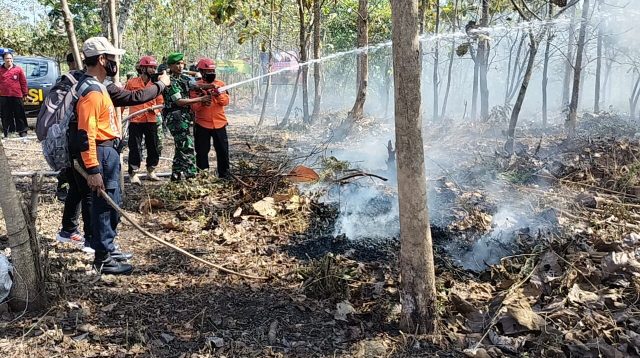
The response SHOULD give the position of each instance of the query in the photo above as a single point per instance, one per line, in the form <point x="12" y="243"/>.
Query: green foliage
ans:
<point x="341" y="24"/>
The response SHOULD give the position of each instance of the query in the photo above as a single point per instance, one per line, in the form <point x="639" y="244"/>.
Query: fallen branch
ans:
<point x="360" y="174"/>
<point x="115" y="206"/>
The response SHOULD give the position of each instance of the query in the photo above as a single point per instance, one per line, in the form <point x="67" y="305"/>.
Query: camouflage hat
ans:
<point x="174" y="58"/>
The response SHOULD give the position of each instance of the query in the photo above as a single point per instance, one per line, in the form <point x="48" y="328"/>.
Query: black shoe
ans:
<point x="105" y="264"/>
<point x="23" y="134"/>
<point x="61" y="193"/>
<point x="121" y="256"/>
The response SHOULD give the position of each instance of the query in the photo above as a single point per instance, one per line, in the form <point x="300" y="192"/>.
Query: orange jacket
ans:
<point x="211" y="116"/>
<point x="97" y="118"/>
<point x="137" y="83"/>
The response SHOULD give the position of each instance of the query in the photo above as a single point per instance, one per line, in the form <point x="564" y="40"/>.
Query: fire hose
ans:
<point x="146" y="233"/>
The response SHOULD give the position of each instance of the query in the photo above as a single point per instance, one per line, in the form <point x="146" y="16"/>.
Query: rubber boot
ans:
<point x="151" y="175"/>
<point x="135" y="178"/>
<point x="106" y="265"/>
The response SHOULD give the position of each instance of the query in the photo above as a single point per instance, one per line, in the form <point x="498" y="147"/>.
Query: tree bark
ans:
<point x="517" y="107"/>
<point x="114" y="37"/>
<point x="483" y="54"/>
<point x="568" y="67"/>
<point x="363" y="61"/>
<point x="633" y="100"/>
<point x="71" y="33"/>
<point x="124" y="12"/>
<point x="268" y="85"/>
<point x="449" y="76"/>
<point x="317" y="68"/>
<point x="596" y="104"/>
<point x="476" y="79"/>
<point x="545" y="74"/>
<point x="418" y="290"/>
<point x="577" y="72"/>
<point x="28" y="287"/>
<point x="436" y="60"/>
<point x="303" y="59"/>
<point x="292" y="101"/>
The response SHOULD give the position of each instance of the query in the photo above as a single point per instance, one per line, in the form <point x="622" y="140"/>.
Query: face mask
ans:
<point x="209" y="77"/>
<point x="111" y="68"/>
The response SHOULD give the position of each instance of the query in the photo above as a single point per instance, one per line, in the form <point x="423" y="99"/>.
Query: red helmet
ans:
<point x="148" y="61"/>
<point x="206" y="64"/>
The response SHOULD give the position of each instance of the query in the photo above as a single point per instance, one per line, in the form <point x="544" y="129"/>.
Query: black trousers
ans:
<point x="13" y="117"/>
<point x="78" y="196"/>
<point x="202" y="137"/>
<point x="151" y="141"/>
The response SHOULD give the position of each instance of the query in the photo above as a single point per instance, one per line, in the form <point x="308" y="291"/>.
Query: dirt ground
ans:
<point x="567" y="286"/>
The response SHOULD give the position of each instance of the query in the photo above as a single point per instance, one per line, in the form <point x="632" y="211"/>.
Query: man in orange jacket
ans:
<point x="145" y="124"/>
<point x="94" y="140"/>
<point x="211" y="122"/>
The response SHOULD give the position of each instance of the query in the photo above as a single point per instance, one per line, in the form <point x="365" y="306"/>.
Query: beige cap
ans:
<point x="95" y="46"/>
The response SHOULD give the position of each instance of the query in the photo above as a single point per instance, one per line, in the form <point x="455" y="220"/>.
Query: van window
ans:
<point x="33" y="68"/>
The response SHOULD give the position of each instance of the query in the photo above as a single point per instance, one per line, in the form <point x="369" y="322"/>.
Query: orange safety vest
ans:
<point x="211" y="116"/>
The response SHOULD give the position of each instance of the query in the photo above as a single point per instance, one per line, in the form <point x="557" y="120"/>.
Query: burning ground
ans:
<point x="537" y="252"/>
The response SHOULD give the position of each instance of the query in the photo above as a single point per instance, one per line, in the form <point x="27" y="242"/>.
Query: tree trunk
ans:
<point x="71" y="33"/>
<point x="516" y="73"/>
<point x="545" y="74"/>
<point x="449" y="75"/>
<point x="266" y="88"/>
<point x="28" y="286"/>
<point x="292" y="101"/>
<point x="363" y="61"/>
<point x="114" y="37"/>
<point x="124" y="12"/>
<point x="105" y="18"/>
<point x="633" y="100"/>
<point x="436" y="60"/>
<point x="422" y="9"/>
<point x="476" y="79"/>
<point x="483" y="54"/>
<point x="317" y="95"/>
<point x="303" y="59"/>
<point x="388" y="84"/>
<point x="517" y="107"/>
<point x="577" y="72"/>
<point x="596" y="104"/>
<point x="418" y="289"/>
<point x="568" y="67"/>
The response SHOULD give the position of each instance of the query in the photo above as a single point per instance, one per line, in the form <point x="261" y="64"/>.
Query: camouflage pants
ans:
<point x="160" y="132"/>
<point x="184" y="166"/>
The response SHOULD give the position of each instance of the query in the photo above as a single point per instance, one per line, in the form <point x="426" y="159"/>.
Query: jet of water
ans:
<point x="424" y="38"/>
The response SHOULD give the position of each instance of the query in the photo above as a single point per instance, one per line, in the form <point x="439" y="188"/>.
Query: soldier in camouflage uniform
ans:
<point x="179" y="118"/>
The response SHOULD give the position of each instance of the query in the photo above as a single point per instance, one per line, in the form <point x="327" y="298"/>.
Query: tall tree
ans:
<point x="71" y="33"/>
<point x="568" y="65"/>
<point x="362" y="74"/>
<point x="436" y="60"/>
<point x="483" y="57"/>
<point x="304" y="44"/>
<point x="577" y="71"/>
<point x="28" y="287"/>
<point x="317" y="68"/>
<point x="545" y="73"/>
<point x="270" y="54"/>
<point x="596" y="104"/>
<point x="416" y="252"/>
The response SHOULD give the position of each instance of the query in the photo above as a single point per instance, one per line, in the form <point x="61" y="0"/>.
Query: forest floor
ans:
<point x="536" y="252"/>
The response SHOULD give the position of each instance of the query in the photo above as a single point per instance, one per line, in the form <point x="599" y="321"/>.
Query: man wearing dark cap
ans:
<point x="179" y="118"/>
